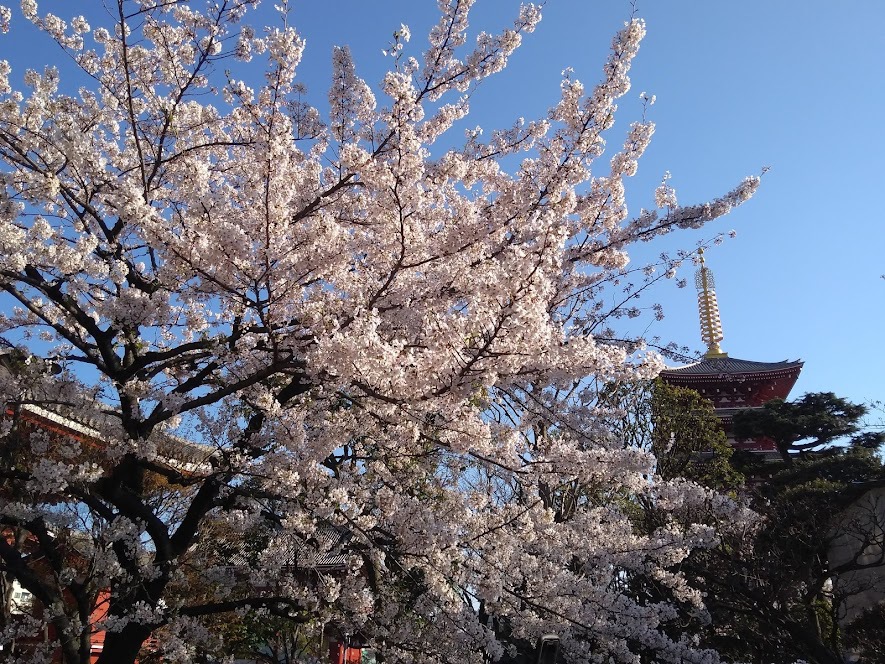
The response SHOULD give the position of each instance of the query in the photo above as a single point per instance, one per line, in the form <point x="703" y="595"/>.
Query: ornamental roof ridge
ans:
<point x="91" y="422"/>
<point x="731" y="365"/>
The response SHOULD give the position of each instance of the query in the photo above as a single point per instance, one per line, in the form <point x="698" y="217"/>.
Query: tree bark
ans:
<point x="122" y="647"/>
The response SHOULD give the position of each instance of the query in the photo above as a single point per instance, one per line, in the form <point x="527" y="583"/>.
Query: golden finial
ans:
<point x="711" y="325"/>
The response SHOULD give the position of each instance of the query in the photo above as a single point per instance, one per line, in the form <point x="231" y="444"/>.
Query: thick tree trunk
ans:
<point x="817" y="651"/>
<point x="122" y="647"/>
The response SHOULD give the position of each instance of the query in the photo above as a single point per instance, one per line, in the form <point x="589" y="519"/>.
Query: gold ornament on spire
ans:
<point x="708" y="308"/>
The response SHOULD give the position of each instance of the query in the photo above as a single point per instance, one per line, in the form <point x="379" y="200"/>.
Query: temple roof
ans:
<point x="326" y="550"/>
<point x="718" y="366"/>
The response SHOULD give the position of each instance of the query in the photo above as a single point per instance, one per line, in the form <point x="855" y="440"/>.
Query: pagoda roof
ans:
<point x="326" y="550"/>
<point x="724" y="366"/>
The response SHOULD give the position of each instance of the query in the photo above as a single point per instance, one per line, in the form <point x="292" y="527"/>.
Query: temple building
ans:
<point x="730" y="383"/>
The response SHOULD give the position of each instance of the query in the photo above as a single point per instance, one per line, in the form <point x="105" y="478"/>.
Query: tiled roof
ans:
<point x="91" y="419"/>
<point x="173" y="451"/>
<point x="325" y="550"/>
<point x="731" y="365"/>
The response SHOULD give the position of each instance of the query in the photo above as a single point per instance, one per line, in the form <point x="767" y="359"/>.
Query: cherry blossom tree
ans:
<point x="260" y="323"/>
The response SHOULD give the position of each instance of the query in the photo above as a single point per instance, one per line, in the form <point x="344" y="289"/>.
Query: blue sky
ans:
<point x="794" y="86"/>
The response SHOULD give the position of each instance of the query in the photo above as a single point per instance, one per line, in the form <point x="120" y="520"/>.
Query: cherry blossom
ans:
<point x="260" y="325"/>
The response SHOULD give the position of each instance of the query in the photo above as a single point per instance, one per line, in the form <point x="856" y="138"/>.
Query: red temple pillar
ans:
<point x="342" y="654"/>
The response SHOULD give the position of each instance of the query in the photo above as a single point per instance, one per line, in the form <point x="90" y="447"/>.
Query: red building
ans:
<point x="731" y="384"/>
<point x="342" y="654"/>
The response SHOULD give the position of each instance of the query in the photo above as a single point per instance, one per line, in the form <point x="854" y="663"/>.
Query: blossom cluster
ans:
<point x="288" y="324"/>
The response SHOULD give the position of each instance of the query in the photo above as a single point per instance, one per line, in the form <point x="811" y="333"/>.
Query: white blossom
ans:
<point x="352" y="334"/>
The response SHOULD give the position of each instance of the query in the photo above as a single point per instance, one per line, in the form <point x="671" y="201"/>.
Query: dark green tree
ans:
<point x="775" y="590"/>
<point x="783" y="594"/>
<point x="813" y="423"/>
<point x="688" y="439"/>
<point x="865" y="636"/>
<point x="678" y="426"/>
<point x="775" y="594"/>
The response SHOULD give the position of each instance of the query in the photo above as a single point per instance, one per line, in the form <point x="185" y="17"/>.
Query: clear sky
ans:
<point x="797" y="86"/>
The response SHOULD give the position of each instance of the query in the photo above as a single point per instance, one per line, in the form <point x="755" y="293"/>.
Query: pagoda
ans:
<point x="729" y="383"/>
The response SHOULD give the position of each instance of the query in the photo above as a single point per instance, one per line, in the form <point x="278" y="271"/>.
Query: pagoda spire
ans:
<point x="708" y="309"/>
